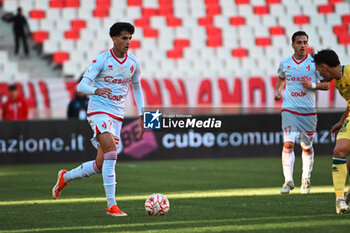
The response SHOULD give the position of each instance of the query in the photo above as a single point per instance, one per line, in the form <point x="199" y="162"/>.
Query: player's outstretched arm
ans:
<point x="335" y="129"/>
<point x="318" y="86"/>
<point x="279" y="86"/>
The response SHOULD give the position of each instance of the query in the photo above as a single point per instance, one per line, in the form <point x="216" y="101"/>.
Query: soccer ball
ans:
<point x="157" y="204"/>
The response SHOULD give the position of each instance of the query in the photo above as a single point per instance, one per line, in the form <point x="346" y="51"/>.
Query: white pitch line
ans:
<point x="183" y="195"/>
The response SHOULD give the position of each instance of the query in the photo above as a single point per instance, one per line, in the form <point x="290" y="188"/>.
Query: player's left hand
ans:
<point x="305" y="83"/>
<point x="142" y="130"/>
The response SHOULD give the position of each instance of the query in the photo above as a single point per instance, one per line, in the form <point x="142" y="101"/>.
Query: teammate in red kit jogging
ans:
<point x="108" y="80"/>
<point x="15" y="108"/>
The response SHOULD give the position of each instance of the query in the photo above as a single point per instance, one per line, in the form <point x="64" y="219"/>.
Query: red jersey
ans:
<point x="15" y="110"/>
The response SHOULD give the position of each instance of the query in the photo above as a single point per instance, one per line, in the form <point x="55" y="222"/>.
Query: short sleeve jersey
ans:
<point x="297" y="99"/>
<point x="343" y="85"/>
<point x="109" y="71"/>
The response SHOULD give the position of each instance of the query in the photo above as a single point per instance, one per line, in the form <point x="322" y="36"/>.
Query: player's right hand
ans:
<point x="278" y="95"/>
<point x="103" y="91"/>
<point x="335" y="129"/>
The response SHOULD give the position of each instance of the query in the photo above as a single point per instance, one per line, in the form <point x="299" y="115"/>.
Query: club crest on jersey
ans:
<point x="110" y="67"/>
<point x="308" y="67"/>
<point x="288" y="67"/>
<point x="132" y="69"/>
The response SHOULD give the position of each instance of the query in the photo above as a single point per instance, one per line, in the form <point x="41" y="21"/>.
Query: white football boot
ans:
<point x="305" y="186"/>
<point x="341" y="207"/>
<point x="286" y="187"/>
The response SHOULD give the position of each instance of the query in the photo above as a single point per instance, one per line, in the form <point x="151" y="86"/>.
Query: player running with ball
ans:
<point x="299" y="118"/>
<point x="108" y="80"/>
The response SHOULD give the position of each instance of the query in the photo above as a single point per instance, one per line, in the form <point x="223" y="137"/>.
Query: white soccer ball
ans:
<point x="157" y="204"/>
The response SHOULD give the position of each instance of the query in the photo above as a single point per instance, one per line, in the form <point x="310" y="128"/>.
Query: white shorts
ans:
<point x="102" y="123"/>
<point x="296" y="126"/>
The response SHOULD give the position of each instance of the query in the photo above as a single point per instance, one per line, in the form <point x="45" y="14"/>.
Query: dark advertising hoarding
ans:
<point x="241" y="135"/>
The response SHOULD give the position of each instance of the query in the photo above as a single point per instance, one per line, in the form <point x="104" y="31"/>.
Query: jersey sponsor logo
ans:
<point x="298" y="79"/>
<point x="110" y="79"/>
<point x="115" y="97"/>
<point x="298" y="94"/>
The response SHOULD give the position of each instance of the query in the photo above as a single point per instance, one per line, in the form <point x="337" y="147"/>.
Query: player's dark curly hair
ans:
<point x="299" y="33"/>
<point x="328" y="57"/>
<point x="118" y="27"/>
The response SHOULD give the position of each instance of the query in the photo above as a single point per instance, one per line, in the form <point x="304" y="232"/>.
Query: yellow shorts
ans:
<point x="344" y="132"/>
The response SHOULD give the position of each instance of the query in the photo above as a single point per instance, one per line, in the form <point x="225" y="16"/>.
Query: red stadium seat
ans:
<point x="103" y="4"/>
<point x="213" y="10"/>
<point x="174" y="53"/>
<point x="149" y="12"/>
<point x="72" y="3"/>
<point x="173" y="21"/>
<point x="78" y="24"/>
<point x="344" y="39"/>
<point x="335" y="1"/>
<point x="213" y="31"/>
<point x="165" y="10"/>
<point x="237" y="21"/>
<point x="240" y="52"/>
<point x="238" y="2"/>
<point x="263" y="41"/>
<point x="345" y="19"/>
<point x="135" y="44"/>
<point x="181" y="43"/>
<point x="205" y="21"/>
<point x="150" y="32"/>
<point x="101" y="13"/>
<point x="310" y="50"/>
<point x="276" y="30"/>
<point x="40" y="36"/>
<point x="60" y="57"/>
<point x="301" y="19"/>
<point x="72" y="34"/>
<point x="165" y="2"/>
<point x="211" y="2"/>
<point x="340" y="29"/>
<point x="268" y="2"/>
<point x="261" y="10"/>
<point x="214" y="41"/>
<point x="143" y="22"/>
<point x="56" y="3"/>
<point x="325" y="9"/>
<point x="37" y="14"/>
<point x="134" y="2"/>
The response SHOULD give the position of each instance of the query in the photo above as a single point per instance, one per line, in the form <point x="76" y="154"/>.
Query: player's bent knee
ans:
<point x="112" y="155"/>
<point x="339" y="152"/>
<point x="288" y="145"/>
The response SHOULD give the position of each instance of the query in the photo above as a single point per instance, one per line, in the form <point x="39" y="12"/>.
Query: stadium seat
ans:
<point x="178" y="28"/>
<point x="261" y="10"/>
<point x="60" y="57"/>
<point x="325" y="9"/>
<point x="301" y="19"/>
<point x="239" y="52"/>
<point x="40" y="36"/>
<point x="37" y="14"/>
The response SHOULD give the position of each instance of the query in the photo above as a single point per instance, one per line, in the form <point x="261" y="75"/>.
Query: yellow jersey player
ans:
<point x="328" y="65"/>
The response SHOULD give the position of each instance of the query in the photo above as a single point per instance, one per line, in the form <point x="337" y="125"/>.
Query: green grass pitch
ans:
<point x="221" y="195"/>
